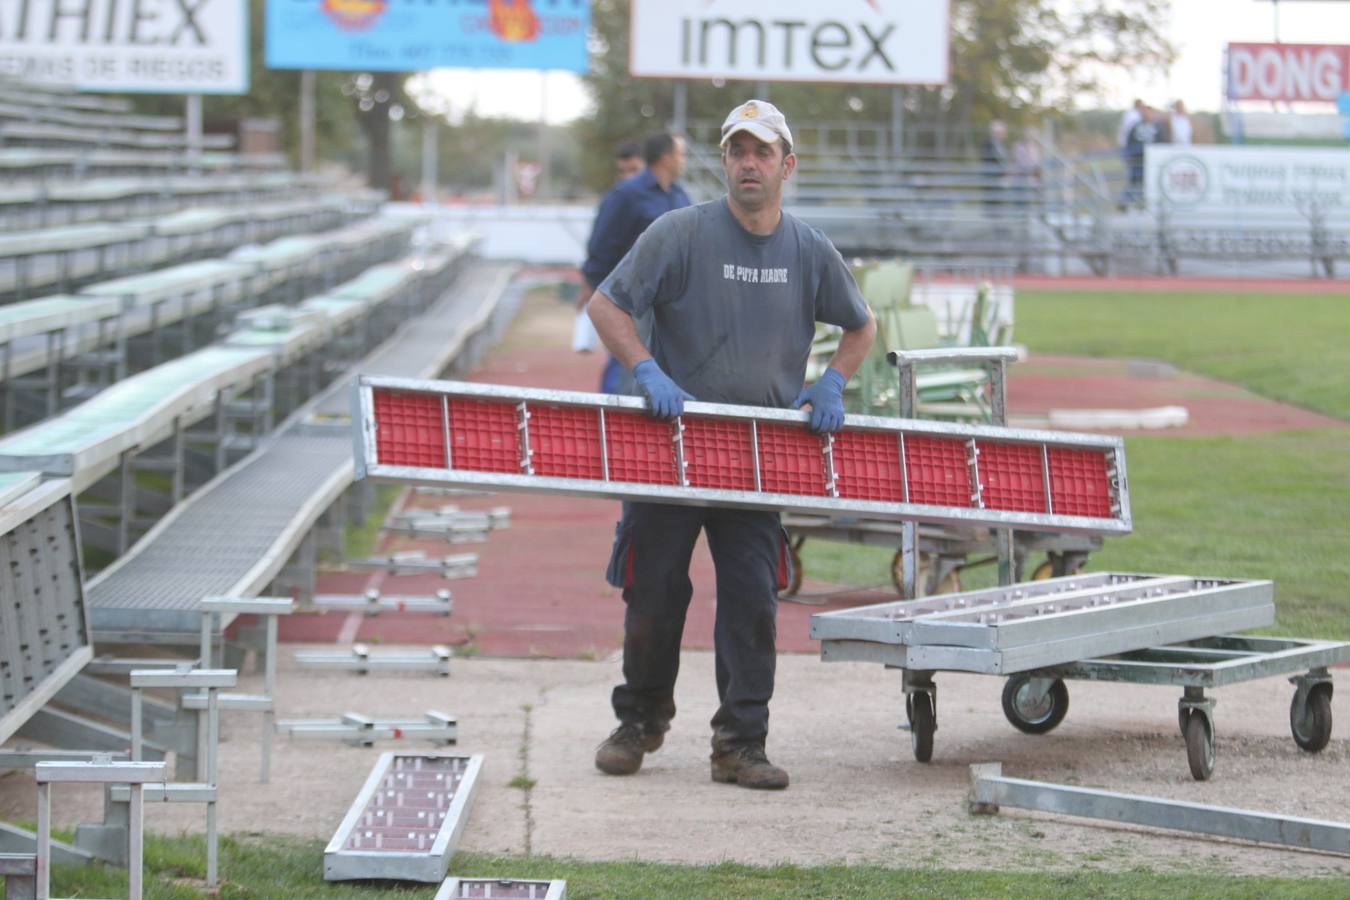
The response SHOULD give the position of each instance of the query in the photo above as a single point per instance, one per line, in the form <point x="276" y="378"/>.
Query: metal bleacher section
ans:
<point x="935" y="200"/>
<point x="143" y="381"/>
<point x="927" y="193"/>
<point x="234" y="536"/>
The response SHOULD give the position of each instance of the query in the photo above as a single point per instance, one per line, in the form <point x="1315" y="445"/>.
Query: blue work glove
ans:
<point x="826" y="397"/>
<point x="665" y="396"/>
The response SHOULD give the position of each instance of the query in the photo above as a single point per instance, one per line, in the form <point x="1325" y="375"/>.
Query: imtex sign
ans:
<point x="170" y="46"/>
<point x="867" y="41"/>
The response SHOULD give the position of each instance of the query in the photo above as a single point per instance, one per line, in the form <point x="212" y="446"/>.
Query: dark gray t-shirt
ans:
<point x="733" y="313"/>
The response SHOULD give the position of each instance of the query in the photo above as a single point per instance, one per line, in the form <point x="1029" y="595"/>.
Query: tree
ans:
<point x="1011" y="59"/>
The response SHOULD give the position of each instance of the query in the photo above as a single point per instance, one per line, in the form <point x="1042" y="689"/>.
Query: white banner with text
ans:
<point x="141" y="46"/>
<point x="858" y="41"/>
<point x="1249" y="185"/>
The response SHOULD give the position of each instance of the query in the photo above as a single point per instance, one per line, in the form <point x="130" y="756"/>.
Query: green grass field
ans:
<point x="1287" y="347"/>
<point x="275" y="868"/>
<point x="1265" y="506"/>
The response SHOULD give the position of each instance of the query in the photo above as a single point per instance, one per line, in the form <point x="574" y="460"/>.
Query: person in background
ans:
<point x="994" y="155"/>
<point x="731" y="290"/>
<point x="1150" y="129"/>
<point x="627" y="161"/>
<point x="624" y="213"/>
<point x="1181" y="131"/>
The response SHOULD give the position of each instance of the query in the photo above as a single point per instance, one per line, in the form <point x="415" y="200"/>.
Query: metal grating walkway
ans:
<point x="234" y="535"/>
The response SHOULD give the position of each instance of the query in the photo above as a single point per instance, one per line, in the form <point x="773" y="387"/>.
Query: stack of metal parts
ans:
<point x="406" y="821"/>
<point x="362" y="731"/>
<point x="1044" y="623"/>
<point x="455" y="525"/>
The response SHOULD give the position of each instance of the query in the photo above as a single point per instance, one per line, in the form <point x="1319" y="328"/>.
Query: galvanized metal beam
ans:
<point x="989" y="790"/>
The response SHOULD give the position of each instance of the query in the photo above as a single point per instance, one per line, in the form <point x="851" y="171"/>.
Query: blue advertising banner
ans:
<point x="409" y="35"/>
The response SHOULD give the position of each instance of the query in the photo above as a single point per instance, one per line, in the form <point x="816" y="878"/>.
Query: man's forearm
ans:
<point x="616" y="330"/>
<point x="853" y="348"/>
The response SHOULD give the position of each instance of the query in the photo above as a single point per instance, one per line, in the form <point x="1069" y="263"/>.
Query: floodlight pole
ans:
<point x="193" y="123"/>
<point x="679" y="119"/>
<point x="429" y="175"/>
<point x="897" y="122"/>
<point x="307" y="120"/>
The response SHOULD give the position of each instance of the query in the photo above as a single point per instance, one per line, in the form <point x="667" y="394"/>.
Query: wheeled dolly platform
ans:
<point x="1037" y="701"/>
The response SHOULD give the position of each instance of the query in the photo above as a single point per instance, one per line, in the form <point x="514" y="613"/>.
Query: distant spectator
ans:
<point x="994" y="155"/>
<point x="1181" y="131"/>
<point x="1026" y="170"/>
<point x="1131" y="118"/>
<point x="1150" y="129"/>
<point x="627" y="161"/>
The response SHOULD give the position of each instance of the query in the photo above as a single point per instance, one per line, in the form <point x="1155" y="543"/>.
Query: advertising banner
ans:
<point x="858" y="41"/>
<point x="410" y="35"/>
<point x="1246" y="185"/>
<point x="149" y="46"/>
<point x="1289" y="73"/>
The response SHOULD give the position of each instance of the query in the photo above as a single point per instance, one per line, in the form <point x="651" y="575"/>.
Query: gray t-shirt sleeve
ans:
<point x="654" y="270"/>
<point x="838" y="300"/>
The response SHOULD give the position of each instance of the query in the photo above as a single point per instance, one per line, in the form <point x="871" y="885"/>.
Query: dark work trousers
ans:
<point x="652" y="549"/>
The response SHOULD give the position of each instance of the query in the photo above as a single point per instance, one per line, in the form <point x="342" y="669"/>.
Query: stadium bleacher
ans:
<point x="172" y="362"/>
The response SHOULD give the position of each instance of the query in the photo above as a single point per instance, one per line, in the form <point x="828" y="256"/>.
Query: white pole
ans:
<point x="213" y="737"/>
<point x="429" y="135"/>
<point x="270" y="689"/>
<point x="307" y="121"/>
<point x="44" y="840"/>
<point x="136" y="840"/>
<point x="194" y="129"/>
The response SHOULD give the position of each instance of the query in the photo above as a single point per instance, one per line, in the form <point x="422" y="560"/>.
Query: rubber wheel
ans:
<point x="922" y="724"/>
<point x="1312" y="730"/>
<point x="1041" y="718"/>
<point x="1047" y="570"/>
<point x="950" y="585"/>
<point x="1199" y="746"/>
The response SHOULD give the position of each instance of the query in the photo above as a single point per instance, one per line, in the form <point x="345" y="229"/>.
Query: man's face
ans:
<point x="755" y="170"/>
<point x="627" y="167"/>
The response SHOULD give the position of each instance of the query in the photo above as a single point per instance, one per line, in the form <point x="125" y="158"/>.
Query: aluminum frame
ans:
<point x="990" y="789"/>
<point x="368" y="465"/>
<point x="1025" y="627"/>
<point x="340" y="864"/>
<point x="501" y="889"/>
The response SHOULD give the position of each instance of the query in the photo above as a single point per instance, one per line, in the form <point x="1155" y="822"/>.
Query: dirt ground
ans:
<point x="538" y="631"/>
<point x="857" y="793"/>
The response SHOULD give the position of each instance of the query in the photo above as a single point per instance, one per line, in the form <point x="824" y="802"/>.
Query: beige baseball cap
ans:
<point x="759" y="117"/>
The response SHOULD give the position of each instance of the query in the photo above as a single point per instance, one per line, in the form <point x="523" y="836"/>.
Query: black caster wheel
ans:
<point x="1200" y="746"/>
<point x="922" y="724"/>
<point x="1311" y="725"/>
<point x="1031" y="714"/>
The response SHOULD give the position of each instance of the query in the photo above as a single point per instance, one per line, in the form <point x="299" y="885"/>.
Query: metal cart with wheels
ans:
<point x="1037" y="701"/>
<point x="1130" y="628"/>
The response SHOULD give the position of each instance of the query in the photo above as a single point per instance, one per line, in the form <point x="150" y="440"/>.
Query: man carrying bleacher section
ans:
<point x="732" y="289"/>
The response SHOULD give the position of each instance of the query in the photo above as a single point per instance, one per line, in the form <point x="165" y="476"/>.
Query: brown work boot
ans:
<point x="748" y="766"/>
<point x="621" y="753"/>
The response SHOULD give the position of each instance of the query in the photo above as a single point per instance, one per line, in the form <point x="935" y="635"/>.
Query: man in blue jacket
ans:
<point x="624" y="214"/>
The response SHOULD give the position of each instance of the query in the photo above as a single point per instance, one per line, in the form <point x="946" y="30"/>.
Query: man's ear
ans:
<point x="789" y="165"/>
